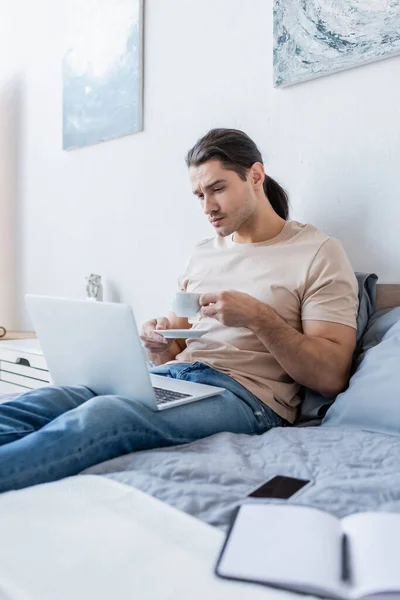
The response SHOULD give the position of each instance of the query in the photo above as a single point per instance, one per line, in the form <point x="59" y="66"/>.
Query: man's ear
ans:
<point x="257" y="175"/>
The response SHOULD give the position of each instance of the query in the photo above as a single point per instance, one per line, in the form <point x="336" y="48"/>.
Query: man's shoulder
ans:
<point x="208" y="243"/>
<point x="313" y="244"/>
<point x="305" y="232"/>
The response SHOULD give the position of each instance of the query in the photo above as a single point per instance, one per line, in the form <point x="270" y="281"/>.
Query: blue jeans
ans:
<point x="54" y="432"/>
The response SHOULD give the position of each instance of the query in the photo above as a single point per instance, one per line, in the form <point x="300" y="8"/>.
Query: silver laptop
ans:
<point x="97" y="344"/>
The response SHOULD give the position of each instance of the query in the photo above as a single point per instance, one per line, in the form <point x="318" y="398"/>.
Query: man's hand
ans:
<point x="152" y="341"/>
<point x="231" y="308"/>
<point x="160" y="349"/>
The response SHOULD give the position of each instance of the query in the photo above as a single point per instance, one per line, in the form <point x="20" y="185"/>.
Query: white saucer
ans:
<point x="181" y="333"/>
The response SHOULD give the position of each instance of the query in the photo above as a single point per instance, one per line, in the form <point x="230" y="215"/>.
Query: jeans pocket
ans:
<point x="270" y="418"/>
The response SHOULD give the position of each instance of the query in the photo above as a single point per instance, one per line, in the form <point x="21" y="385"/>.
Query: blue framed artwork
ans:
<point x="317" y="37"/>
<point x="102" y="71"/>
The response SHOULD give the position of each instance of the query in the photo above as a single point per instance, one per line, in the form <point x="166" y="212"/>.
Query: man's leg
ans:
<point x="105" y="427"/>
<point x="35" y="409"/>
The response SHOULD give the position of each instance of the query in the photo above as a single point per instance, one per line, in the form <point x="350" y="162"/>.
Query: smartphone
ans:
<point x="279" y="487"/>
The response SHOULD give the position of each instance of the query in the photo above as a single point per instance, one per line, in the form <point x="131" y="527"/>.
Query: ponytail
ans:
<point x="277" y="196"/>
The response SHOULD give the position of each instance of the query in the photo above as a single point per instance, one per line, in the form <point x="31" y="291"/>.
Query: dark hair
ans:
<point x="237" y="152"/>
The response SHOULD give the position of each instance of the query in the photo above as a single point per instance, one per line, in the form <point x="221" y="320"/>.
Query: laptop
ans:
<point x="97" y="345"/>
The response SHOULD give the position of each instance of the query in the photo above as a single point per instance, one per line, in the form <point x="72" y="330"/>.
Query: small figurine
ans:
<point x="94" y="288"/>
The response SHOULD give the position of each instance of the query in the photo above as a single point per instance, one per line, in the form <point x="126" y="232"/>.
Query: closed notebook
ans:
<point x="306" y="550"/>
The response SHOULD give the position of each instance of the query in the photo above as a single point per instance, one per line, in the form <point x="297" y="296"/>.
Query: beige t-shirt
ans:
<point x="302" y="273"/>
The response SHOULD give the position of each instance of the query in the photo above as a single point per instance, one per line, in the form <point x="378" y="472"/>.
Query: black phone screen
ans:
<point x="279" y="487"/>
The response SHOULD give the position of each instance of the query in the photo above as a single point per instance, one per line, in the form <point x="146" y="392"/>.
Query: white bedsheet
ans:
<point x="89" y="537"/>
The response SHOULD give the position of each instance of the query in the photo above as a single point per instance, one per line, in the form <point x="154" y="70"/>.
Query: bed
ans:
<point x="351" y="468"/>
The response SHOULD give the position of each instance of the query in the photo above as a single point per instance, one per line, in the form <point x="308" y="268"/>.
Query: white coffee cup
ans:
<point x="186" y="304"/>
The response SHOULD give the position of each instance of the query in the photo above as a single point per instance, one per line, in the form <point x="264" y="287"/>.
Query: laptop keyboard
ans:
<point x="163" y="396"/>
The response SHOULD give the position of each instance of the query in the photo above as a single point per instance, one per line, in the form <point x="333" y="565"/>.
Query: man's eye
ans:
<point x="219" y="189"/>
<point x="200" y="197"/>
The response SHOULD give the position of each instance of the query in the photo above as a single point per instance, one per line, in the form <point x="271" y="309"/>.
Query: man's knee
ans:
<point x="61" y="398"/>
<point x="110" y="404"/>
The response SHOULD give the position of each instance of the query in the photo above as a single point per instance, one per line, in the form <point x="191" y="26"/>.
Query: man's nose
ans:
<point x="209" y="205"/>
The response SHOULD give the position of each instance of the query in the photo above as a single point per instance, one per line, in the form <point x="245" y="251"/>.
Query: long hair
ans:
<point x="237" y="152"/>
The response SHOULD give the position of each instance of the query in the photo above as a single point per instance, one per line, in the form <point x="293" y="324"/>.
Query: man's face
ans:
<point x="227" y="201"/>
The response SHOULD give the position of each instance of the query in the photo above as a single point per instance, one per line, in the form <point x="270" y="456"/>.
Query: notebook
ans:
<point x="307" y="550"/>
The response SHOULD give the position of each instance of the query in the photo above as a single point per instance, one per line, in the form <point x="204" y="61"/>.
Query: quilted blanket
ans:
<point x="350" y="470"/>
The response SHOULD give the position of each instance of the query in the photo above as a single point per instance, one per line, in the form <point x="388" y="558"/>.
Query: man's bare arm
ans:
<point x="319" y="358"/>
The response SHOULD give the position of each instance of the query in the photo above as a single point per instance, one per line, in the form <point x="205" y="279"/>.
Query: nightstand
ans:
<point x="22" y="365"/>
<point x="16" y="335"/>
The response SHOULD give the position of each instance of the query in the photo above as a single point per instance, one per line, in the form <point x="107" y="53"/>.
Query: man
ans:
<point x="279" y="300"/>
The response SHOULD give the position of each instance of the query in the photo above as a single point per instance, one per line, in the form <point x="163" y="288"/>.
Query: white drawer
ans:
<point x="27" y="382"/>
<point x="10" y="388"/>
<point x="36" y="361"/>
<point x="22" y="366"/>
<point x="21" y="369"/>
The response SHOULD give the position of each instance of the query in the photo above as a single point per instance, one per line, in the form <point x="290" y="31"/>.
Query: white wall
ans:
<point x="125" y="209"/>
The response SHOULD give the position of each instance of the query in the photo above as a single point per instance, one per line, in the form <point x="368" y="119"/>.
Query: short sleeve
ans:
<point x="331" y="290"/>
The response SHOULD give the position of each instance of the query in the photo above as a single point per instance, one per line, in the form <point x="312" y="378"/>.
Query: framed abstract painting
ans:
<point x="318" y="37"/>
<point x="102" y="71"/>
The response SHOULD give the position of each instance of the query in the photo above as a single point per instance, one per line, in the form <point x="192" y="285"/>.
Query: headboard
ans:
<point x="387" y="295"/>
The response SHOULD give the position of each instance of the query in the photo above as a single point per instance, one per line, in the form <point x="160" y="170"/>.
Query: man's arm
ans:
<point x="320" y="358"/>
<point x="155" y="343"/>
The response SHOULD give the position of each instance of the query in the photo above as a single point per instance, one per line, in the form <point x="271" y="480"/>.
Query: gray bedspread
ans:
<point x="351" y="470"/>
